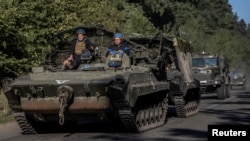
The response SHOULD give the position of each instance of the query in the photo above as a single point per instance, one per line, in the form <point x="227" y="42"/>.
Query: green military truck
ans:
<point x="238" y="78"/>
<point x="212" y="70"/>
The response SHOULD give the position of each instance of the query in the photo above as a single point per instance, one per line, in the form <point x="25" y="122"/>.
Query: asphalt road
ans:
<point x="232" y="111"/>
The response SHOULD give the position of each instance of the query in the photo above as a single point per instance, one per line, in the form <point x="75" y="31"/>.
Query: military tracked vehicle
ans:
<point x="173" y="59"/>
<point x="136" y="92"/>
<point x="212" y="70"/>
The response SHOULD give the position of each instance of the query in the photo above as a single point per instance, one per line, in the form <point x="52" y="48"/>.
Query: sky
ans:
<point x="242" y="8"/>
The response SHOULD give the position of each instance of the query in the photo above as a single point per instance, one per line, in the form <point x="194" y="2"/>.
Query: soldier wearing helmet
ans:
<point x="118" y="45"/>
<point x="118" y="53"/>
<point x="78" y="46"/>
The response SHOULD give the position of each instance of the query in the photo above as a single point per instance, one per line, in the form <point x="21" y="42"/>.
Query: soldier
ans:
<point x="80" y="46"/>
<point x="118" y="45"/>
<point x="116" y="51"/>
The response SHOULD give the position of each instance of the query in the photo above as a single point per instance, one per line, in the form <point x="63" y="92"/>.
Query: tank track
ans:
<point x="23" y="123"/>
<point x="187" y="106"/>
<point x="143" y="117"/>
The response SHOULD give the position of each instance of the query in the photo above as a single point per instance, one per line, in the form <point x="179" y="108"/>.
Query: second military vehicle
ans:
<point x="212" y="70"/>
<point x="238" y="78"/>
<point x="136" y="93"/>
<point x="174" y="60"/>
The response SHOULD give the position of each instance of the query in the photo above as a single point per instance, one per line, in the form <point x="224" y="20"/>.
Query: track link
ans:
<point x="23" y="122"/>
<point x="144" y="117"/>
<point x="188" y="105"/>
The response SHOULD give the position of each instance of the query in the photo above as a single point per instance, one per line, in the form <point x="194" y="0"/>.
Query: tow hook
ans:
<point x="65" y="94"/>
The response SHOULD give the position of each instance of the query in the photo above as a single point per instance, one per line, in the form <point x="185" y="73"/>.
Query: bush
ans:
<point x="4" y="108"/>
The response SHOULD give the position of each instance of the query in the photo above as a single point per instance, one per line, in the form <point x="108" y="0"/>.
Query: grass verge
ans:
<point x="6" y="119"/>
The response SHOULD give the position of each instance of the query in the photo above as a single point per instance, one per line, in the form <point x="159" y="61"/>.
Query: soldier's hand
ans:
<point x="70" y="58"/>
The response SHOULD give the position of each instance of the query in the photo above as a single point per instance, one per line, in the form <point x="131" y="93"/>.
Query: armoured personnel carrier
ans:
<point x="136" y="92"/>
<point x="212" y="70"/>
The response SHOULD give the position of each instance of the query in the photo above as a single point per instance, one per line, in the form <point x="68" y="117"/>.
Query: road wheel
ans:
<point x="221" y="92"/>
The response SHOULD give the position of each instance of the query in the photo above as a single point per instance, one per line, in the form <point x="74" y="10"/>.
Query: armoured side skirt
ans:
<point x="52" y="105"/>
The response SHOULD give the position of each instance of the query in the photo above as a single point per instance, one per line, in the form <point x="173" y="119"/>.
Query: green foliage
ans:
<point x="135" y="21"/>
<point x="5" y="111"/>
<point x="27" y="26"/>
<point x="6" y="119"/>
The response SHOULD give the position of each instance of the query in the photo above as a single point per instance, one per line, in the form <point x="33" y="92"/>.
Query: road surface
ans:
<point x="234" y="110"/>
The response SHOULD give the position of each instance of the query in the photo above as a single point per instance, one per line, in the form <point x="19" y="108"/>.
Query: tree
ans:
<point x="27" y="26"/>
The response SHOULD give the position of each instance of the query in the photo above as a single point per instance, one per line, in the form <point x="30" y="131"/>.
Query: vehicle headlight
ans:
<point x="206" y="71"/>
<point x="216" y="82"/>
